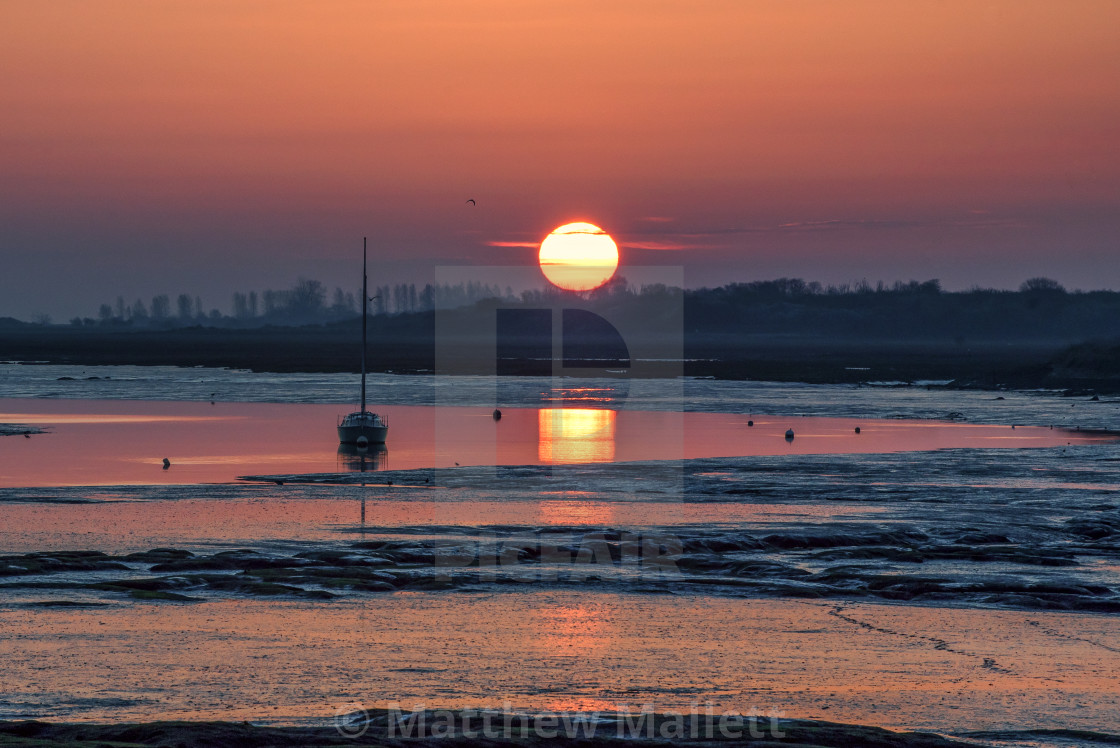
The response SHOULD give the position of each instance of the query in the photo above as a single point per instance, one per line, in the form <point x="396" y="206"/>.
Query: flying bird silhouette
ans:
<point x="472" y="202"/>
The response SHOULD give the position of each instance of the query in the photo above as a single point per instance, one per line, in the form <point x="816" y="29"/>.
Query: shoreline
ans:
<point x="466" y="727"/>
<point x="981" y="365"/>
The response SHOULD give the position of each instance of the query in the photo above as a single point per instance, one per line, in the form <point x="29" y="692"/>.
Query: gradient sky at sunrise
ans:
<point x="208" y="146"/>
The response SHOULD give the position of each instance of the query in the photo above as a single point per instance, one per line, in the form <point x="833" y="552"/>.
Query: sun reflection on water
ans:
<point x="573" y="630"/>
<point x="573" y="435"/>
<point x="581" y="394"/>
<point x="576" y="512"/>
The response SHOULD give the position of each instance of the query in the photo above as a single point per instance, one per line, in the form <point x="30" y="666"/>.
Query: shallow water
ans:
<point x="201" y="521"/>
<point x="118" y="442"/>
<point x="923" y="574"/>
<point x="789" y="399"/>
<point x="299" y="662"/>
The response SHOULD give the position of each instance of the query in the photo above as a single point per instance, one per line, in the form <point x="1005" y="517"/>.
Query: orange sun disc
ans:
<point x="578" y="257"/>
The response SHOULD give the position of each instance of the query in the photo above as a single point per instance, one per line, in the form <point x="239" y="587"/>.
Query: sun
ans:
<point x="578" y="257"/>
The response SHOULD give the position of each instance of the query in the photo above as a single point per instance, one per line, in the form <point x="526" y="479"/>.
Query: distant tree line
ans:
<point x="1040" y="309"/>
<point x="306" y="302"/>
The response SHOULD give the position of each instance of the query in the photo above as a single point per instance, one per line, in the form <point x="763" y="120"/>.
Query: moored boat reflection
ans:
<point x="363" y="459"/>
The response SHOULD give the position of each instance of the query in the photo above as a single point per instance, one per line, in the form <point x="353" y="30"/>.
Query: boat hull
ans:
<point x="362" y="427"/>
<point x="373" y="434"/>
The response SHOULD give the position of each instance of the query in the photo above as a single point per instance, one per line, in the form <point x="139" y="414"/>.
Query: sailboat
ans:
<point x="363" y="427"/>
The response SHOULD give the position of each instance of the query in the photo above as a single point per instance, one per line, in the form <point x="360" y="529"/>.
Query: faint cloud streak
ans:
<point x="656" y="235"/>
<point x="662" y="245"/>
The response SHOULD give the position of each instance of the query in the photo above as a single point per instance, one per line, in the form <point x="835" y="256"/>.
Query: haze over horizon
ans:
<point x="208" y="147"/>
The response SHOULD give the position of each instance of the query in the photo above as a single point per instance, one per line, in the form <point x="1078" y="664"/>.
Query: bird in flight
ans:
<point x="472" y="202"/>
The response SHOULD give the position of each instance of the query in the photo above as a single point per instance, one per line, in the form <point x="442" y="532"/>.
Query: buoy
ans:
<point x="789" y="435"/>
<point x="750" y="423"/>
<point x="497" y="414"/>
<point x="362" y="441"/>
<point x="857" y="429"/>
<point x="166" y="463"/>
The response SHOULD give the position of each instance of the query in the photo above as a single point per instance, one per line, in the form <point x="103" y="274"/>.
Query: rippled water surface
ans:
<point x="605" y="544"/>
<point x="703" y="395"/>
<point x="115" y="442"/>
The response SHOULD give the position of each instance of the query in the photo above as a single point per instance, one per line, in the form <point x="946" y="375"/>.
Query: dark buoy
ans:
<point x="362" y="442"/>
<point x="497" y="414"/>
<point x="750" y="423"/>
<point x="857" y="429"/>
<point x="789" y="435"/>
<point x="166" y="463"/>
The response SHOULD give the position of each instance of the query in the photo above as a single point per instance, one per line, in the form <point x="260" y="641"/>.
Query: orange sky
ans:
<point x="827" y="140"/>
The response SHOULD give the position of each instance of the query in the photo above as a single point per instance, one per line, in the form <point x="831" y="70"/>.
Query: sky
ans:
<point x="207" y="146"/>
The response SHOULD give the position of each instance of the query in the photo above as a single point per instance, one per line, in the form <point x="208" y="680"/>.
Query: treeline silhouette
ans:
<point x="306" y="302"/>
<point x="1041" y="309"/>
<point x="1040" y="335"/>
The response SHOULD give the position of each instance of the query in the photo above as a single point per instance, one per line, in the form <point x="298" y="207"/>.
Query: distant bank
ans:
<point x="407" y="344"/>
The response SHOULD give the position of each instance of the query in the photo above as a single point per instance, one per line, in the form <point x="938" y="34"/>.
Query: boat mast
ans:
<point x="365" y="300"/>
